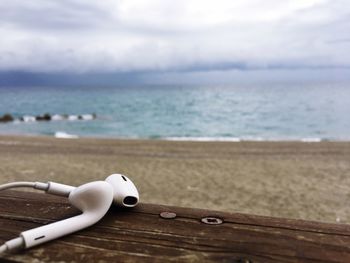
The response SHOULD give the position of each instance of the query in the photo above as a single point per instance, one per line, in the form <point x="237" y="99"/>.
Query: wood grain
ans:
<point x="140" y="234"/>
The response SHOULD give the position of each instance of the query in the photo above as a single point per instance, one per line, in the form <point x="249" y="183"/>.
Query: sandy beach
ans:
<point x="282" y="179"/>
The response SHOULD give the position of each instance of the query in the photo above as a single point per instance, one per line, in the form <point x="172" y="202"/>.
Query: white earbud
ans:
<point x="92" y="199"/>
<point x="125" y="192"/>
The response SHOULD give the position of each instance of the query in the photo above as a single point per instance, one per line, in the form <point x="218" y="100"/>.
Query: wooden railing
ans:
<point x="158" y="233"/>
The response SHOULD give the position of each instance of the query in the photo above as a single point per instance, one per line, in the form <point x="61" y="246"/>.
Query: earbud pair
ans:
<point x="92" y="199"/>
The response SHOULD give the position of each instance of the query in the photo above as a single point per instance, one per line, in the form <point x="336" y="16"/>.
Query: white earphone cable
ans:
<point x="17" y="243"/>
<point x="35" y="185"/>
<point x="3" y="249"/>
<point x="93" y="199"/>
<point x="12" y="245"/>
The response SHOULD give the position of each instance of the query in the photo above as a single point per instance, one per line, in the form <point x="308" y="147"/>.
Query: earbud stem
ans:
<point x="55" y="230"/>
<point x="93" y="199"/>
<point x="59" y="189"/>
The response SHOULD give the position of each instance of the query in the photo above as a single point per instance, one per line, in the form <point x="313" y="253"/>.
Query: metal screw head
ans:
<point x="212" y="220"/>
<point x="167" y="215"/>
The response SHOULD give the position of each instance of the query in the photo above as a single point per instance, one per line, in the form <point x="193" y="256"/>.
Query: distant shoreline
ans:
<point x="183" y="139"/>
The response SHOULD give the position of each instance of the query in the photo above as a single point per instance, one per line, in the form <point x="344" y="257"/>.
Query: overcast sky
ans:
<point x="166" y="35"/>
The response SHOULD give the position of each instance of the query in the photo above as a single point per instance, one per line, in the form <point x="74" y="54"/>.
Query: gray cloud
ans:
<point x="163" y="35"/>
<point x="50" y="15"/>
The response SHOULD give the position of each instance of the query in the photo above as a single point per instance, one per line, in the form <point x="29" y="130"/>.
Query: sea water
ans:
<point x="309" y="112"/>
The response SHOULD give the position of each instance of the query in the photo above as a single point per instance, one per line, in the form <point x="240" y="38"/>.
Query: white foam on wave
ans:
<point x="73" y="117"/>
<point x="253" y="139"/>
<point x="204" y="139"/>
<point x="311" y="140"/>
<point x="64" y="135"/>
<point x="87" y="117"/>
<point x="241" y="139"/>
<point x="57" y="117"/>
<point x="27" y="118"/>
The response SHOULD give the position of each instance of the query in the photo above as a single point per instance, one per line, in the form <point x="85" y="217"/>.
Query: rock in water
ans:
<point x="6" y="118"/>
<point x="45" y="117"/>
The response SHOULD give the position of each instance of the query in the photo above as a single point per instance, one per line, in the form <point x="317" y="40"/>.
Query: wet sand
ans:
<point x="283" y="179"/>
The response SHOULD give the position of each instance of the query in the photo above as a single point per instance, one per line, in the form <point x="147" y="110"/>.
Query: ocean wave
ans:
<point x="57" y="117"/>
<point x="27" y="118"/>
<point x="87" y="117"/>
<point x="64" y="135"/>
<point x="203" y="139"/>
<point x="73" y="117"/>
<point x="312" y="139"/>
<point x="252" y="139"/>
<point x="243" y="139"/>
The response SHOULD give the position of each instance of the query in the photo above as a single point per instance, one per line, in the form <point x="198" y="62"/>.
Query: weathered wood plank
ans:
<point x="140" y="234"/>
